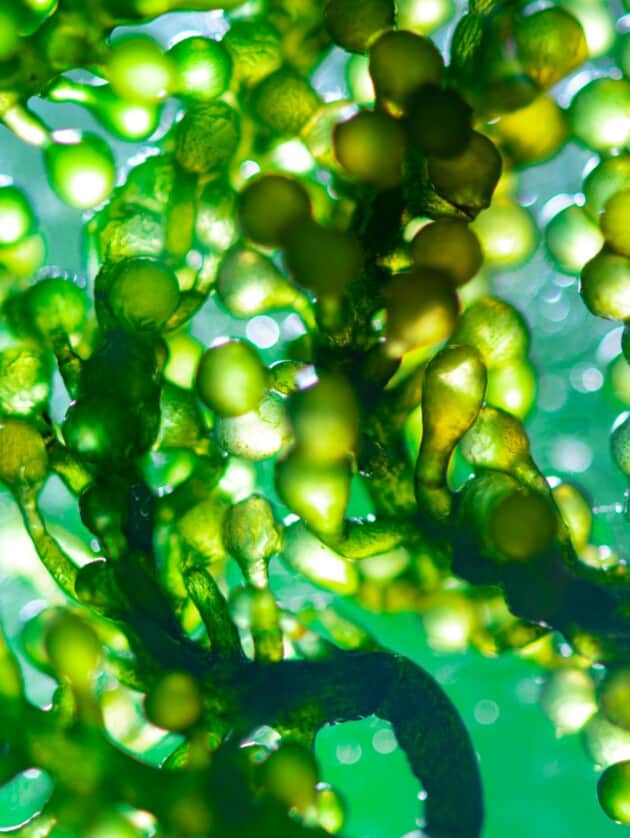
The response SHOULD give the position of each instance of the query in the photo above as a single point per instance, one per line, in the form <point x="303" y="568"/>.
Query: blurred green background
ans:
<point x="536" y="784"/>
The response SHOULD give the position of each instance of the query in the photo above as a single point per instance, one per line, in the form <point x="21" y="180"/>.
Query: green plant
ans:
<point x="392" y="420"/>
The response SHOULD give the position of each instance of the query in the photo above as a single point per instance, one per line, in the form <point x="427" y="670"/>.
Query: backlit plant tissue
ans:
<point x="303" y="397"/>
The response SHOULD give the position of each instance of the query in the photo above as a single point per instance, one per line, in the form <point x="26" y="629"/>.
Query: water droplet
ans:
<point x="348" y="754"/>
<point x="571" y="454"/>
<point x="486" y="711"/>
<point x="384" y="741"/>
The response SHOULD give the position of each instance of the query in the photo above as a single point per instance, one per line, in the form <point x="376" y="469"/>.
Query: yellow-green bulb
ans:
<point x="610" y="176"/>
<point x="23" y="457"/>
<point x="423" y="16"/>
<point x="326" y="420"/>
<point x="507" y="233"/>
<point x="143" y="294"/>
<point x="139" y="70"/>
<point x="175" y="702"/>
<point x="615" y="222"/>
<point x="74" y="649"/>
<point x="512" y="387"/>
<point x="80" y="169"/>
<point x="203" y="68"/>
<point x="572" y="239"/>
<point x="231" y="378"/>
<point x="613" y="791"/>
<point x="317" y="492"/>
<point x="620" y="443"/>
<point x="16" y="216"/>
<point x="600" y="114"/>
<point x="605" y="286"/>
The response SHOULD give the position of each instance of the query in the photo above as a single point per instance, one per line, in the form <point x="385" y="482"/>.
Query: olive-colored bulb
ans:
<point x="448" y="245"/>
<point x="453" y="391"/>
<point x="613" y="791"/>
<point x="56" y="305"/>
<point x="512" y="387"/>
<point x="401" y="63"/>
<point x="620" y="443"/>
<point x="534" y="133"/>
<point x="24" y="381"/>
<point x="231" y="378"/>
<point x="252" y="537"/>
<point x="600" y="114"/>
<point x="207" y="137"/>
<point x="326" y="420"/>
<point x="80" y="169"/>
<point x="322" y="259"/>
<point x="284" y="102"/>
<point x="142" y="295"/>
<point x="468" y="179"/>
<point x="74" y="649"/>
<point x="508" y="234"/>
<point x="356" y="24"/>
<point x="270" y="206"/>
<point x="23" y="457"/>
<point x="572" y="239"/>
<point x="138" y="69"/>
<point x="422" y="309"/>
<point x="605" y="286"/>
<point x="101" y="429"/>
<point x="610" y="176"/>
<point x="249" y="283"/>
<point x="495" y="329"/>
<point x="371" y="147"/>
<point x="290" y="774"/>
<point x="498" y="441"/>
<point x="439" y="121"/>
<point x="522" y="524"/>
<point x="317" y="492"/>
<point x="615" y="697"/>
<point x="576" y="513"/>
<point x="550" y="44"/>
<point x="175" y="702"/>
<point x="203" y="68"/>
<point x="16" y="216"/>
<point x="615" y="222"/>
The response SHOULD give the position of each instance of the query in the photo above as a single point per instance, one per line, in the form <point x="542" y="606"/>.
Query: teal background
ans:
<point x="536" y="785"/>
